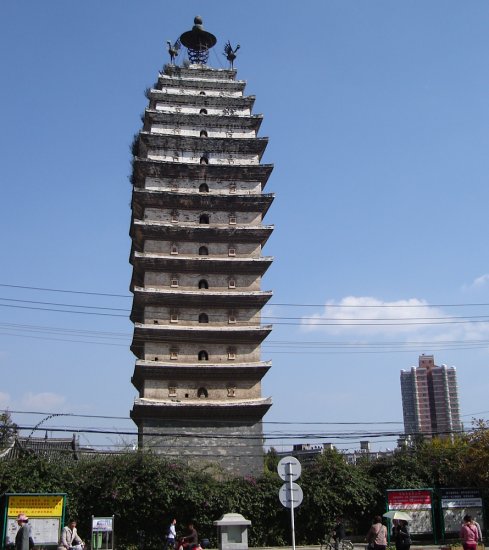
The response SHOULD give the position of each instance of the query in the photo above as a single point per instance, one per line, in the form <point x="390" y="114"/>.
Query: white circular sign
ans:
<point x="289" y="468"/>
<point x="290" y="498"/>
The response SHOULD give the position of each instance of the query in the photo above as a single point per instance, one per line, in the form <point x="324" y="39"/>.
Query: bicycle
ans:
<point x="330" y="544"/>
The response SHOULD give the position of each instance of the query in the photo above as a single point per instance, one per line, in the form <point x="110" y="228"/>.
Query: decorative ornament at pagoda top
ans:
<point x="230" y="53"/>
<point x="173" y="50"/>
<point x="198" y="42"/>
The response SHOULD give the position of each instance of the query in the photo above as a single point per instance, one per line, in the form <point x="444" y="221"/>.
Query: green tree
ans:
<point x="8" y="429"/>
<point x="332" y="487"/>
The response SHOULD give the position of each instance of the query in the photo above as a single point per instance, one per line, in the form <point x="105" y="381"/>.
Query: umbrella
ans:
<point x="398" y="514"/>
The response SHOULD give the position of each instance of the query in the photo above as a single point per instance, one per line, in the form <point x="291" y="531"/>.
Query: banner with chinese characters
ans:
<point x="417" y="503"/>
<point x="45" y="513"/>
<point x="456" y="503"/>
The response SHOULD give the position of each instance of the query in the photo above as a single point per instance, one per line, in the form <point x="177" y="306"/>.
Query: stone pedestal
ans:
<point x="232" y="532"/>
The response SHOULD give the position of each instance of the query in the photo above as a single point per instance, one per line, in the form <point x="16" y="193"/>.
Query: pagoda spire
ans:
<point x="198" y="42"/>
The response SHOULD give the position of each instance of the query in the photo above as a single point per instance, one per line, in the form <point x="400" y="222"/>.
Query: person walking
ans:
<point x="469" y="534"/>
<point x="477" y="526"/>
<point x="23" y="534"/>
<point x="401" y="535"/>
<point x="377" y="535"/>
<point x="171" y="536"/>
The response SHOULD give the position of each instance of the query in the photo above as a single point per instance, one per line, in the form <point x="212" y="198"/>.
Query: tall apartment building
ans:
<point x="430" y="399"/>
<point x="197" y="239"/>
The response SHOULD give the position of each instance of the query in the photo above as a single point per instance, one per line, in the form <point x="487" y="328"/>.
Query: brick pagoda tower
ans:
<point x="197" y="238"/>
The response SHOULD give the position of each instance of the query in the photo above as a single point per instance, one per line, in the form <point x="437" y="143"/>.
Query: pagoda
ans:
<point x="197" y="236"/>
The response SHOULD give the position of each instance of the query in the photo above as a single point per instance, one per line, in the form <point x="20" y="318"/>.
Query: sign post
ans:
<point x="290" y="494"/>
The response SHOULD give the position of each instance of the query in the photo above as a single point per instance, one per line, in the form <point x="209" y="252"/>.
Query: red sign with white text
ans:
<point x="409" y="500"/>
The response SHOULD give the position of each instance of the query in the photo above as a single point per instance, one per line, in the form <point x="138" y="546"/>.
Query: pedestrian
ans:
<point x="23" y="534"/>
<point x="377" y="535"/>
<point x="469" y="534"/>
<point x="70" y="539"/>
<point x="171" y="535"/>
<point x="338" y="532"/>
<point x="477" y="526"/>
<point x="401" y="535"/>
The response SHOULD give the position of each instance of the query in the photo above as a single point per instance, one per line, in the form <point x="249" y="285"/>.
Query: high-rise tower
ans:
<point x="197" y="238"/>
<point x="430" y="399"/>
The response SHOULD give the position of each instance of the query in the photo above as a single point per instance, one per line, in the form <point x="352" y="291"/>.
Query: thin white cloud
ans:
<point x="45" y="401"/>
<point x="478" y="282"/>
<point x="368" y="315"/>
<point x="362" y="318"/>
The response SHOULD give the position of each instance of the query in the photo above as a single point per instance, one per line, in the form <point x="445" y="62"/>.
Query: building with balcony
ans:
<point x="430" y="399"/>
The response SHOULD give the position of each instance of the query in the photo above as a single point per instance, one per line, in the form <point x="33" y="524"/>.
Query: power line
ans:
<point x="362" y="306"/>
<point x="66" y="291"/>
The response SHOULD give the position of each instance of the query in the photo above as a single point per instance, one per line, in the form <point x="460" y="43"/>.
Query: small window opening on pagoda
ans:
<point x="203" y="355"/>
<point x="232" y="283"/>
<point x="232" y="251"/>
<point x="174" y="316"/>
<point x="231" y="391"/>
<point x="172" y="391"/>
<point x="232" y="219"/>
<point x="202" y="392"/>
<point x="204" y="218"/>
<point x="174" y="216"/>
<point x="203" y="318"/>
<point x="203" y="251"/>
<point x="174" y="281"/>
<point x="203" y="133"/>
<point x="203" y="188"/>
<point x="204" y="160"/>
<point x="231" y="354"/>
<point x="232" y="188"/>
<point x="202" y="92"/>
<point x="174" y="249"/>
<point x="203" y="284"/>
<point x="232" y="317"/>
<point x="203" y="111"/>
<point x="174" y="354"/>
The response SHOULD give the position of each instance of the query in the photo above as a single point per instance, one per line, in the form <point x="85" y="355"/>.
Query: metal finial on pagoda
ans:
<point x="198" y="42"/>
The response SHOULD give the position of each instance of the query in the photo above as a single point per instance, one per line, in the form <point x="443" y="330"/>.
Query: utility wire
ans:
<point x="323" y="305"/>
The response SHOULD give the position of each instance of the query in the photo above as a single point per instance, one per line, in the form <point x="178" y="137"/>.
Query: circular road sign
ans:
<point x="288" y="498"/>
<point x="289" y="468"/>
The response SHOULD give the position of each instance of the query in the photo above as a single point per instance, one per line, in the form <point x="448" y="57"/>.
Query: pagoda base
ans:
<point x="234" y="446"/>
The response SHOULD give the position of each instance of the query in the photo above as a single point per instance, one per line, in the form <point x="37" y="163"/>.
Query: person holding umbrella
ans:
<point x="402" y="537"/>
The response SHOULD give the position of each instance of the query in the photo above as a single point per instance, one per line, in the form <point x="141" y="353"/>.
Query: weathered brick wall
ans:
<point x="238" y="448"/>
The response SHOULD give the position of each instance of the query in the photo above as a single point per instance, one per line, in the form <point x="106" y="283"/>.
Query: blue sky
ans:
<point x="378" y="121"/>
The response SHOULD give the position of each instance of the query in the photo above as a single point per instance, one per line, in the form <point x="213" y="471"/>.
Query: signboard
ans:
<point x="289" y="468"/>
<point x="456" y="503"/>
<point x="290" y="495"/>
<point x="418" y="504"/>
<point x="45" y="513"/>
<point x="45" y="530"/>
<point x="409" y="499"/>
<point x="102" y="533"/>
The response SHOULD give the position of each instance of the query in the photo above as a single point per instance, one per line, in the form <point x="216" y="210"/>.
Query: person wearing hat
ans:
<point x="23" y="534"/>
